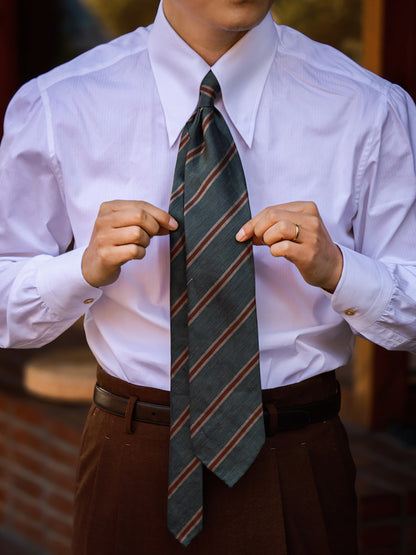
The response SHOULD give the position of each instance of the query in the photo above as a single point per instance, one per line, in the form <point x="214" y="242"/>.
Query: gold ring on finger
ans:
<point x="297" y="230"/>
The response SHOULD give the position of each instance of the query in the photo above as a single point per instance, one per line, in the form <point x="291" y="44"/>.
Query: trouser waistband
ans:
<point x="285" y="408"/>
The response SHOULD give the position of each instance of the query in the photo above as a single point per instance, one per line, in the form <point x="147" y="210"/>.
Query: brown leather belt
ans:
<point x="142" y="412"/>
<point x="276" y="419"/>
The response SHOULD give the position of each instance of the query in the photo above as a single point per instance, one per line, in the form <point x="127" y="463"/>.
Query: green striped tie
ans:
<point x="216" y="405"/>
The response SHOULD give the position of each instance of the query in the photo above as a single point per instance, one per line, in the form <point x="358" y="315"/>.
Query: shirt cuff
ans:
<point x="62" y="286"/>
<point x="364" y="290"/>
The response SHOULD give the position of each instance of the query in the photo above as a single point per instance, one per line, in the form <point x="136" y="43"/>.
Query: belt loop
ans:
<point x="273" y="418"/>
<point x="129" y="414"/>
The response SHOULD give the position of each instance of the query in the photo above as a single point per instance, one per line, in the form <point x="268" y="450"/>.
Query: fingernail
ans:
<point x="173" y="224"/>
<point x="241" y="235"/>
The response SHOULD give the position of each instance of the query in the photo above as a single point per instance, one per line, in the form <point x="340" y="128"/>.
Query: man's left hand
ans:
<point x="296" y="231"/>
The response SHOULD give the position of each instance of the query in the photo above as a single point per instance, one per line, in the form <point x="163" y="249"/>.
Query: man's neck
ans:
<point x="211" y="50"/>
<point x="209" y="41"/>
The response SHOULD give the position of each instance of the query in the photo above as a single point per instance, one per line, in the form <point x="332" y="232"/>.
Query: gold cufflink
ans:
<point x="350" y="311"/>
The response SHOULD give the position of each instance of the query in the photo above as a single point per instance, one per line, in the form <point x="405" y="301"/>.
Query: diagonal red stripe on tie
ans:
<point x="207" y="120"/>
<point x="206" y="240"/>
<point x="196" y="151"/>
<point x="223" y="396"/>
<point x="183" y="476"/>
<point x="209" y="91"/>
<point x="177" y="248"/>
<point x="177" y="364"/>
<point x="190" y="526"/>
<point x="216" y="171"/>
<point x="219" y="284"/>
<point x="179" y="191"/>
<point x="237" y="437"/>
<point x="193" y="153"/>
<point x="179" y="304"/>
<point x="184" y="140"/>
<point x="177" y="425"/>
<point x="209" y="353"/>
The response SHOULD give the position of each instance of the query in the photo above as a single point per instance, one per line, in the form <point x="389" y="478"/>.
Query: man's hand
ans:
<point x="122" y="231"/>
<point x="296" y="231"/>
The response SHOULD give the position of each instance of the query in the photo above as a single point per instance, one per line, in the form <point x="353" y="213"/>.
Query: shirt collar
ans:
<point x="241" y="73"/>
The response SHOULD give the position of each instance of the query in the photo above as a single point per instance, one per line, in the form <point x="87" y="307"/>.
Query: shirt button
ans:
<point x="350" y="311"/>
<point x="88" y="301"/>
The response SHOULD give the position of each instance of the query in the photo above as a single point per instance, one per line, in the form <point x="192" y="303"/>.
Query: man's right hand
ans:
<point x="122" y="232"/>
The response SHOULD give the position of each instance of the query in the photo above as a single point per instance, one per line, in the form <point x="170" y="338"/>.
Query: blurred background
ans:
<point x="44" y="394"/>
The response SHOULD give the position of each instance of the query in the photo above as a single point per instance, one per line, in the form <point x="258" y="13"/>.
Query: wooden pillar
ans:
<point x="380" y="377"/>
<point x="380" y="386"/>
<point x="389" y="40"/>
<point x="373" y="35"/>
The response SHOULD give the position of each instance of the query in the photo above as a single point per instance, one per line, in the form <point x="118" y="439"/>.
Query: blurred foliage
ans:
<point x="122" y="16"/>
<point x="335" y="22"/>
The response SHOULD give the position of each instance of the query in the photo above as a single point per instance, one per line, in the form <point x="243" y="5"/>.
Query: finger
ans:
<point x="305" y="207"/>
<point x="246" y="232"/>
<point x="298" y="211"/>
<point x="268" y="229"/>
<point x="111" y="257"/>
<point x="166" y="222"/>
<point x="123" y="253"/>
<point x="289" y="250"/>
<point x="130" y="235"/>
<point x="266" y="219"/>
<point x="154" y="220"/>
<point x="140" y="213"/>
<point x="253" y="229"/>
<point x="280" y="231"/>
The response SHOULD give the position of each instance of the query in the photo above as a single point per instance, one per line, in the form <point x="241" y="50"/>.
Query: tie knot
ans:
<point x="209" y="90"/>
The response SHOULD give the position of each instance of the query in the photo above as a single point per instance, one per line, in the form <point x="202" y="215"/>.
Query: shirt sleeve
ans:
<point x="377" y="291"/>
<point x="42" y="290"/>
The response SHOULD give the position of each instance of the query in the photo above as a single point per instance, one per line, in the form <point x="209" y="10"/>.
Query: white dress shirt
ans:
<point x="309" y="124"/>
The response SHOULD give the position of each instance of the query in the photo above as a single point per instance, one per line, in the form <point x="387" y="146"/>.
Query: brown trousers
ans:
<point x="297" y="498"/>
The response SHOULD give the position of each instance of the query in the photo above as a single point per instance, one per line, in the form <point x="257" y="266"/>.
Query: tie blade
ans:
<point x="241" y="450"/>
<point x="185" y="503"/>
<point x="228" y="432"/>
